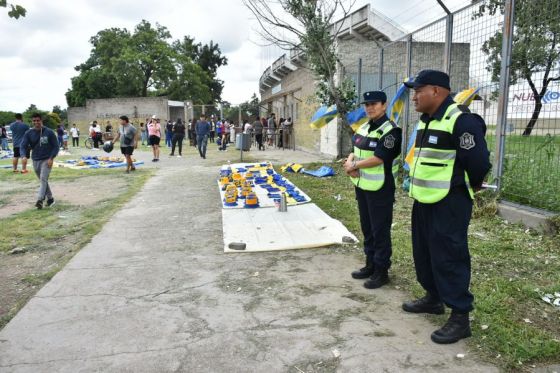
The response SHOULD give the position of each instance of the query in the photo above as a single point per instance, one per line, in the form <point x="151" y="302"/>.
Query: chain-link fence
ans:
<point x="518" y="95"/>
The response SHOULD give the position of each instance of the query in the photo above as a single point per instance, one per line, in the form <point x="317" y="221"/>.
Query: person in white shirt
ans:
<point x="247" y="127"/>
<point x="75" y="132"/>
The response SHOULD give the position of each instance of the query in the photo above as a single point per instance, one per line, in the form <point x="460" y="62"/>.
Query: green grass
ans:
<point x="40" y="230"/>
<point x="511" y="267"/>
<point x="531" y="170"/>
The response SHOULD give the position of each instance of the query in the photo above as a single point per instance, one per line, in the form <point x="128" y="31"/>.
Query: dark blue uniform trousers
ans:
<point x="376" y="219"/>
<point x="440" y="248"/>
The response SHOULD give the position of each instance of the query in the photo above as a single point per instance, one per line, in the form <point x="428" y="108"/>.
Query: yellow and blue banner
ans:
<point x="322" y="116"/>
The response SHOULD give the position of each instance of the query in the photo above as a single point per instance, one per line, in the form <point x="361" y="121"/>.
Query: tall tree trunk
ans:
<point x="147" y="76"/>
<point x="534" y="117"/>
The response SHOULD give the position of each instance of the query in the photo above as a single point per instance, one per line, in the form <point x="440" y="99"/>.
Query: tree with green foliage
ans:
<point x="63" y="114"/>
<point x="249" y="110"/>
<point x="147" y="63"/>
<point x="15" y="11"/>
<point x="309" y="28"/>
<point x="535" y="47"/>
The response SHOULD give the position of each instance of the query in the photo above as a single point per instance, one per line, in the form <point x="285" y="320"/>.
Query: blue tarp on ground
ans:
<point x="323" y="171"/>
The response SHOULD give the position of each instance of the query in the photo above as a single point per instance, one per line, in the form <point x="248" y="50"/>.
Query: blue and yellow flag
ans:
<point x="464" y="97"/>
<point x="356" y="118"/>
<point x="397" y="105"/>
<point x="322" y="116"/>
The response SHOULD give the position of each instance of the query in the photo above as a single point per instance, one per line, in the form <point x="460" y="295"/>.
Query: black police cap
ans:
<point x="374" y="96"/>
<point x="430" y="77"/>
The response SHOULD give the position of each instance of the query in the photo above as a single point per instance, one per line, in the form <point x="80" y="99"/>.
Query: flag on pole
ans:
<point x="357" y="118"/>
<point x="398" y="103"/>
<point x="322" y="116"/>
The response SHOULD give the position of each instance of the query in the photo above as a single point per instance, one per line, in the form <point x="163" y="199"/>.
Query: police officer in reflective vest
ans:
<point x="450" y="162"/>
<point x="372" y="168"/>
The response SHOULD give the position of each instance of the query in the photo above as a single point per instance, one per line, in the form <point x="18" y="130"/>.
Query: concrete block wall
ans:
<point x="103" y="110"/>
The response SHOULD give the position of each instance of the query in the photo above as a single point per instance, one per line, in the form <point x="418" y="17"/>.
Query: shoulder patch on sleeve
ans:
<point x="467" y="141"/>
<point x="389" y="141"/>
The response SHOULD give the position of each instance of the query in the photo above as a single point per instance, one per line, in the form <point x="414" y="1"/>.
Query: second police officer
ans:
<point x="372" y="168"/>
<point x="450" y="162"/>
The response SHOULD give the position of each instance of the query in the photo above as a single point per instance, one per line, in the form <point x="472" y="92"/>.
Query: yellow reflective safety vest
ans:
<point x="434" y="158"/>
<point x="364" y="141"/>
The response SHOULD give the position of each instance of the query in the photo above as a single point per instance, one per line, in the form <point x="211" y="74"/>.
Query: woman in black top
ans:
<point x="178" y="136"/>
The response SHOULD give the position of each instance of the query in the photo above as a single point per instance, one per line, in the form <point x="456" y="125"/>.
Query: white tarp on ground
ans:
<point x="302" y="226"/>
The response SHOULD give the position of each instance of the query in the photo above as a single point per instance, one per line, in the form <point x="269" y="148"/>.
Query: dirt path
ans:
<point x="154" y="293"/>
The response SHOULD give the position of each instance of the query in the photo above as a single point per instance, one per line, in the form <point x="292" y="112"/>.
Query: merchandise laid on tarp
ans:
<point x="95" y="162"/>
<point x="289" y="223"/>
<point x="254" y="185"/>
<point x="323" y="171"/>
<point x="6" y="154"/>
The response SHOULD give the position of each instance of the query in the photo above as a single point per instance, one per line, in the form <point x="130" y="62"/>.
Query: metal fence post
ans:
<point x="448" y="43"/>
<point x="380" y="76"/>
<point x="406" y="118"/>
<point x="359" y="78"/>
<point x="504" y="91"/>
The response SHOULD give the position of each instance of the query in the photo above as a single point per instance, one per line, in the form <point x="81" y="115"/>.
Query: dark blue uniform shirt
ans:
<point x="472" y="150"/>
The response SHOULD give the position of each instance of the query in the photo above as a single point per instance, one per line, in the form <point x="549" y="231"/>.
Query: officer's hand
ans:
<point x="353" y="173"/>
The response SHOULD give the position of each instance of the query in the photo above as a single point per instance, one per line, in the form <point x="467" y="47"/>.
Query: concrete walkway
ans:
<point x="153" y="292"/>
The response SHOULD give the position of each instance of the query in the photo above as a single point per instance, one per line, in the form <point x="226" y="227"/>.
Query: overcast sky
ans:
<point x="38" y="53"/>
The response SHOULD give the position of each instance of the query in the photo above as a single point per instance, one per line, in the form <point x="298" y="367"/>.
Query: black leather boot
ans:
<point x="366" y="271"/>
<point x="457" y="327"/>
<point x="426" y="304"/>
<point x="379" y="278"/>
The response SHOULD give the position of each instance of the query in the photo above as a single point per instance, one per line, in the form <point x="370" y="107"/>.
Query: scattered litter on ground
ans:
<point x="460" y="356"/>
<point x="483" y="327"/>
<point x="18" y="250"/>
<point x="338" y="197"/>
<point x="336" y="353"/>
<point x="528" y="321"/>
<point x="292" y="167"/>
<point x="552" y="299"/>
<point x="323" y="171"/>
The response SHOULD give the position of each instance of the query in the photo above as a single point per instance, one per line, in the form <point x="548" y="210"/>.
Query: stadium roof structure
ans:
<point x="363" y="24"/>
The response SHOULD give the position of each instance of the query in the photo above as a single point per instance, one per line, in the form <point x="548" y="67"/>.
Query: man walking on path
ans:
<point x="202" y="131"/>
<point x="19" y="129"/>
<point x="44" y="148"/>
